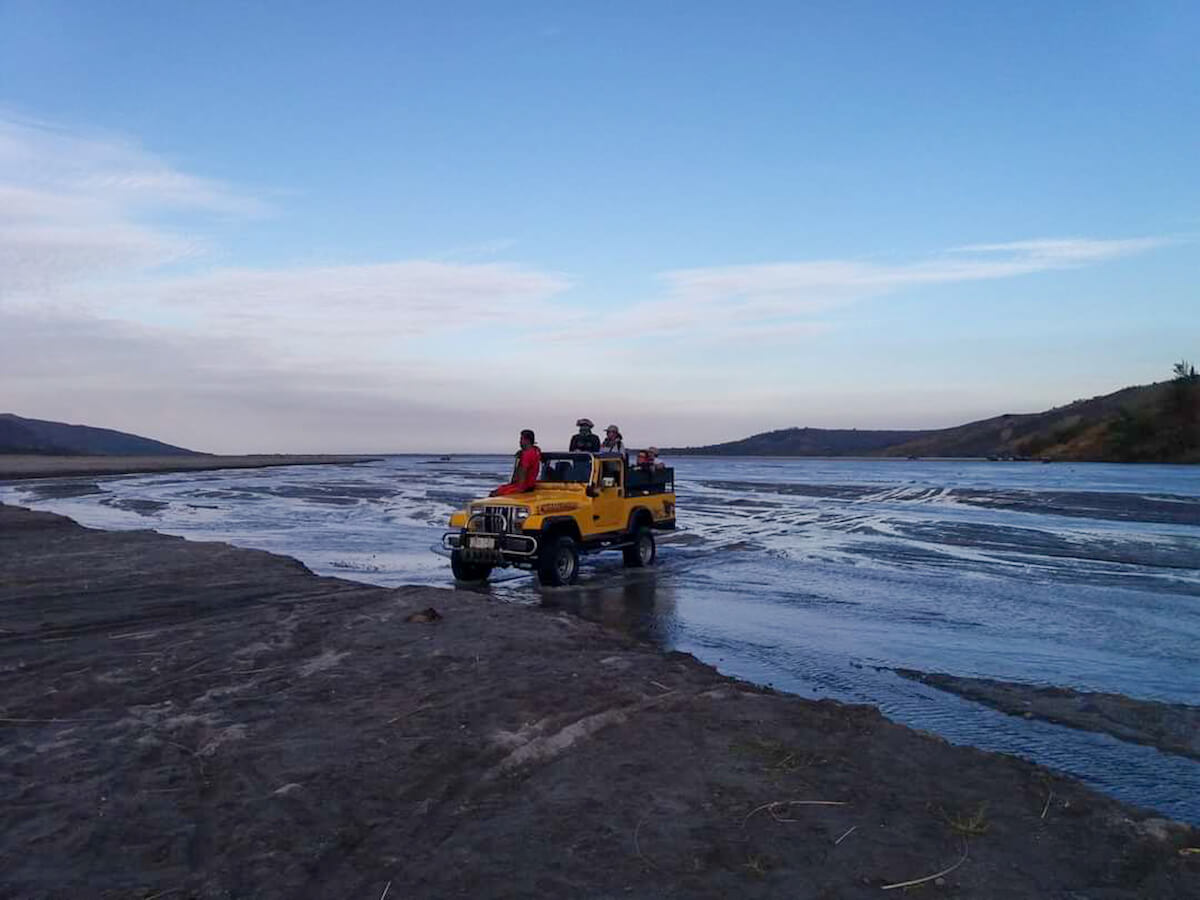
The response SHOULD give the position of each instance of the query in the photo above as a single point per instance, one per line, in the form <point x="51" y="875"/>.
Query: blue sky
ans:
<point x="384" y="226"/>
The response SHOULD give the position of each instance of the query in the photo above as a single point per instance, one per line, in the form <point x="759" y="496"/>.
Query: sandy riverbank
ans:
<point x="18" y="466"/>
<point x="190" y="719"/>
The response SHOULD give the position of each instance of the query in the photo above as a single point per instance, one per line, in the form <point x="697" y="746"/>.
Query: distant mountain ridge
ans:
<point x="1157" y="422"/>
<point x="809" y="442"/>
<point x="20" y="435"/>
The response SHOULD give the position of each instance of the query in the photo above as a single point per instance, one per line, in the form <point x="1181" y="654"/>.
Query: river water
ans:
<point x="814" y="576"/>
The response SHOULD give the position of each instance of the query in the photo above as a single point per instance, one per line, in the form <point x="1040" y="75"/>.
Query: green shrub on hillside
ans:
<point x="1168" y="430"/>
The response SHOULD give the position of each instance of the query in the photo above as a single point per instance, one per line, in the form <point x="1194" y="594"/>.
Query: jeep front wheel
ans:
<point x="468" y="571"/>
<point x="558" y="563"/>
<point x="643" y="551"/>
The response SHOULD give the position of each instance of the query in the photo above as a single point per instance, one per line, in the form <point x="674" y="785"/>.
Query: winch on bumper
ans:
<point x="491" y="548"/>
<point x="489" y="538"/>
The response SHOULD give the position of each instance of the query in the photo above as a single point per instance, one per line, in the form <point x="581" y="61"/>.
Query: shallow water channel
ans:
<point x="814" y="576"/>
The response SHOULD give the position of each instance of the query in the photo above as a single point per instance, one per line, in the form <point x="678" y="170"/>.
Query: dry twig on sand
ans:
<point x="387" y="888"/>
<point x="638" y="846"/>
<point x="1045" y="809"/>
<point x="849" y="832"/>
<point x="411" y="712"/>
<point x="934" y="877"/>
<point x="776" y="804"/>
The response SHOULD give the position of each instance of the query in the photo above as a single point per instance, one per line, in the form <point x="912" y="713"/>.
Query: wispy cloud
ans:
<point x="761" y="298"/>
<point x="108" y="172"/>
<point x="481" y="249"/>
<point x="37" y="258"/>
<point x="80" y="226"/>
<point x="1065" y="252"/>
<point x="76" y="207"/>
<point x="807" y="285"/>
<point x="344" y="310"/>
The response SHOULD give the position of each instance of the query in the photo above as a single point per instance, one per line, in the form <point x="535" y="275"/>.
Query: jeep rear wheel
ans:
<point x="558" y="563"/>
<point x="643" y="551"/>
<point x="468" y="571"/>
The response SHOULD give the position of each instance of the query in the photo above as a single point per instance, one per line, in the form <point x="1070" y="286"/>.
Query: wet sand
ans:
<point x="18" y="466"/>
<point x="190" y="719"/>
<point x="1170" y="727"/>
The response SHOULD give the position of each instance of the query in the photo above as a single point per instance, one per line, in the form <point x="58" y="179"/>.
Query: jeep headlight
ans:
<point x="522" y="514"/>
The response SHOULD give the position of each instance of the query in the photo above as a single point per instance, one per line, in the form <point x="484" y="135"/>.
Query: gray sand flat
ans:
<point x="18" y="466"/>
<point x="194" y="720"/>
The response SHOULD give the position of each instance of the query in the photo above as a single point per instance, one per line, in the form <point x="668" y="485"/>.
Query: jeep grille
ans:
<point x="494" y="519"/>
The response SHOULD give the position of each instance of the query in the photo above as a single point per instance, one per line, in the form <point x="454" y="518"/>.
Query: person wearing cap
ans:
<point x="613" y="442"/>
<point x="585" y="441"/>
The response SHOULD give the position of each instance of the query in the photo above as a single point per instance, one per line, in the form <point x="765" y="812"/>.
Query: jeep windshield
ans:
<point x="573" y="468"/>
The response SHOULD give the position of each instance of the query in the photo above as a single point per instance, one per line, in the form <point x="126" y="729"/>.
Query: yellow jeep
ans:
<point x="582" y="503"/>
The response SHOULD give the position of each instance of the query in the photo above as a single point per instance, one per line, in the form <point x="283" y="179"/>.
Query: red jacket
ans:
<point x="526" y="474"/>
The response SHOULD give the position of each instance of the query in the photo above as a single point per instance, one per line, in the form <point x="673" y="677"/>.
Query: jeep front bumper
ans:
<point x="498" y="549"/>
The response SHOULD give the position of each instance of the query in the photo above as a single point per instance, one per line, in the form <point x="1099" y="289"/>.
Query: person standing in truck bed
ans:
<point x="613" y="442"/>
<point x="585" y="441"/>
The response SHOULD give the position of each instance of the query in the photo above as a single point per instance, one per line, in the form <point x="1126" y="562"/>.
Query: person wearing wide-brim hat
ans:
<point x="585" y="441"/>
<point x="613" y="442"/>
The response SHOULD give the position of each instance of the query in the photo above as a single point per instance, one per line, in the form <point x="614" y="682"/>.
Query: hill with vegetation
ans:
<point x="20" y="435"/>
<point x="1147" y="423"/>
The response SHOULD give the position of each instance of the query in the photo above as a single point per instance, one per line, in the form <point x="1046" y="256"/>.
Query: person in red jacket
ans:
<point x="525" y="472"/>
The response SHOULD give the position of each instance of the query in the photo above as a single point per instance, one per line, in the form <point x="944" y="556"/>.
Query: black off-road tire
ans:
<point x="643" y="551"/>
<point x="468" y="571"/>
<point x="558" y="562"/>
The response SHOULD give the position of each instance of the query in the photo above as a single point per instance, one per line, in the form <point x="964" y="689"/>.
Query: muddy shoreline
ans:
<point x="189" y="719"/>
<point x="1169" y="727"/>
<point x="18" y="467"/>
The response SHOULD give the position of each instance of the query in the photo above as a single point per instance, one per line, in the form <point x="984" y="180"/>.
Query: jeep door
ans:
<point x="608" y="508"/>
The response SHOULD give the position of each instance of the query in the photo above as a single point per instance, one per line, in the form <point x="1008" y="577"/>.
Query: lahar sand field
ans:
<point x="186" y="719"/>
<point x="42" y="466"/>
